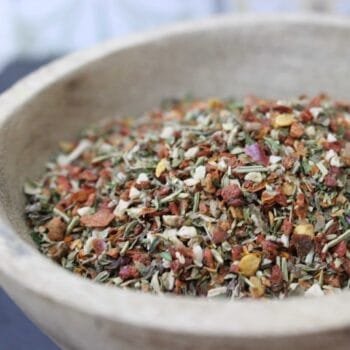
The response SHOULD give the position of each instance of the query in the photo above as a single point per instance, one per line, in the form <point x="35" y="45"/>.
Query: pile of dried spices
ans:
<point x="205" y="198"/>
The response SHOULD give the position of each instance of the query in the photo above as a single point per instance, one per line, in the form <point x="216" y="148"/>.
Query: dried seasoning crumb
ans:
<point x="56" y="229"/>
<point x="204" y="198"/>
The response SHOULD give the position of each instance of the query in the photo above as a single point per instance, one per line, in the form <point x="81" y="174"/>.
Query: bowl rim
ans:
<point x="23" y="265"/>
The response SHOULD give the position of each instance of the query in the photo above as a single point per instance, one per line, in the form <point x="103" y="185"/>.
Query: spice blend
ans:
<point x="204" y="198"/>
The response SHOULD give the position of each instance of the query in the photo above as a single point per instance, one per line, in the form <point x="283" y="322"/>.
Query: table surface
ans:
<point x="17" y="332"/>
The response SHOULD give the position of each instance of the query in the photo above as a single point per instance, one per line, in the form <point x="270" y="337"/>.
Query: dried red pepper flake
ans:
<point x="174" y="208"/>
<point x="128" y="272"/>
<point x="218" y="235"/>
<point x="301" y="206"/>
<point x="302" y="243"/>
<point x="271" y="198"/>
<point x="297" y="130"/>
<point x="306" y="116"/>
<point x="236" y="252"/>
<point x="81" y="196"/>
<point x="340" y="249"/>
<point x="140" y="257"/>
<point x="208" y="258"/>
<point x="87" y="175"/>
<point x="99" y="246"/>
<point x="101" y="218"/>
<point x="269" y="248"/>
<point x="276" y="279"/>
<point x="231" y="193"/>
<point x="287" y="226"/>
<point x="336" y="146"/>
<point x="63" y="184"/>
<point x="176" y="266"/>
<point x="330" y="181"/>
<point x="282" y="109"/>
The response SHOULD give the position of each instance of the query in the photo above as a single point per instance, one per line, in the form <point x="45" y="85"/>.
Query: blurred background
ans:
<point x="33" y="32"/>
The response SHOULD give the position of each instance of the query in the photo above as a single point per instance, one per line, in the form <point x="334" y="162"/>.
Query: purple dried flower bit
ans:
<point x="257" y="153"/>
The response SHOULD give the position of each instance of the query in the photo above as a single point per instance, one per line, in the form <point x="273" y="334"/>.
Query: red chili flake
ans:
<point x="257" y="153"/>
<point x="330" y="181"/>
<point x="124" y="130"/>
<point x="333" y="280"/>
<point x="259" y="238"/>
<point x="334" y="124"/>
<point x="346" y="266"/>
<point x="179" y="285"/>
<point x="288" y="141"/>
<point x="152" y="212"/>
<point x="281" y="199"/>
<point x="91" y="200"/>
<point x="288" y="162"/>
<point x="340" y="249"/>
<point x="175" y="265"/>
<point x="270" y="248"/>
<point x="164" y="191"/>
<point x="106" y="173"/>
<point x="113" y="253"/>
<point x="241" y="232"/>
<point x="239" y="202"/>
<point x="302" y="243"/>
<point x="234" y="268"/>
<point x="276" y="279"/>
<point x="63" y="184"/>
<point x="185" y="251"/>
<point x="125" y="195"/>
<point x="74" y="171"/>
<point x="336" y="146"/>
<point x="317" y="100"/>
<point x="253" y="187"/>
<point x="287" y="227"/>
<point x="81" y="196"/>
<point x="88" y="175"/>
<point x="282" y="109"/>
<point x="270" y="198"/>
<point x="99" y="246"/>
<point x="205" y="152"/>
<point x="203" y="208"/>
<point x="218" y="235"/>
<point x="128" y="272"/>
<point x="248" y="115"/>
<point x="230" y="193"/>
<point x="236" y="252"/>
<point x="174" y="208"/>
<point x="301" y="206"/>
<point x="143" y="185"/>
<point x="100" y="219"/>
<point x="306" y="116"/>
<point x="140" y="257"/>
<point x="138" y="229"/>
<point x="208" y="258"/>
<point x="163" y="152"/>
<point x="297" y="130"/>
<point x="333" y="229"/>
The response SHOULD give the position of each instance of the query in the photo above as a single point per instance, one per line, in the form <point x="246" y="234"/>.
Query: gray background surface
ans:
<point x="17" y="332"/>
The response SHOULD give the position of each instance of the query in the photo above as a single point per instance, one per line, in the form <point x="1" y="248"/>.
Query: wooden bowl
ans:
<point x="228" y="56"/>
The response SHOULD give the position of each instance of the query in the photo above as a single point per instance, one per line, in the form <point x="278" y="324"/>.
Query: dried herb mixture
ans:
<point x="205" y="198"/>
